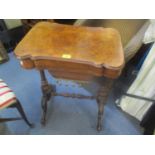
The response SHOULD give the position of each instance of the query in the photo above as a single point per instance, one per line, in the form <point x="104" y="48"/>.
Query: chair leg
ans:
<point x="149" y="131"/>
<point x="22" y="113"/>
<point x="101" y="100"/>
<point x="8" y="119"/>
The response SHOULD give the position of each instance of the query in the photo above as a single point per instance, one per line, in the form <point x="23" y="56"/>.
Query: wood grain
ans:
<point x="50" y="45"/>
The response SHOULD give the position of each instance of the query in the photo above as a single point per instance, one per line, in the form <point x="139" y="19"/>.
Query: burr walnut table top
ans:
<point x="94" y="51"/>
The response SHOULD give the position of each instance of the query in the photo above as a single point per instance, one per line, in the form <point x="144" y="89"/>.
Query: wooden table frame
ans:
<point x="49" y="91"/>
<point x="72" y="52"/>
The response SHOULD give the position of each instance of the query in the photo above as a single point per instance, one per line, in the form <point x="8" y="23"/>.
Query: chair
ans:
<point x="9" y="100"/>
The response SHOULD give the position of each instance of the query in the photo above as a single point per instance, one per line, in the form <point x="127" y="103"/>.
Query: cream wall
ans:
<point x="12" y="23"/>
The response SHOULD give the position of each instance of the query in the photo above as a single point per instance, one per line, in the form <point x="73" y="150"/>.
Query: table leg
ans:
<point x="101" y="100"/>
<point x="47" y="90"/>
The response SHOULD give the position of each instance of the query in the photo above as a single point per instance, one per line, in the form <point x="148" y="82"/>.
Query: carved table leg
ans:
<point x="101" y="100"/>
<point x="47" y="90"/>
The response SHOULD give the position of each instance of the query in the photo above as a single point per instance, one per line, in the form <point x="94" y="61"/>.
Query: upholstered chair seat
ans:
<point x="7" y="96"/>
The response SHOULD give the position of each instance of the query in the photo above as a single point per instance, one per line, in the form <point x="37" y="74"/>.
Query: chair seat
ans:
<point x="7" y="96"/>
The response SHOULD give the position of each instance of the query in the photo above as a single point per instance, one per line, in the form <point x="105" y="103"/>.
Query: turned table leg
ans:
<point x="47" y="90"/>
<point x="101" y="100"/>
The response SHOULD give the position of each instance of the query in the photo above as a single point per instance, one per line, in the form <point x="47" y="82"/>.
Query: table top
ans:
<point x="96" y="47"/>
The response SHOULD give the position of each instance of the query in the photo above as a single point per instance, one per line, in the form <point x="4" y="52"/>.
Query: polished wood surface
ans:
<point x="72" y="52"/>
<point x="57" y="47"/>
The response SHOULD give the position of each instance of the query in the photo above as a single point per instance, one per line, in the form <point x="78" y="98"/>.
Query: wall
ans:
<point x="12" y="23"/>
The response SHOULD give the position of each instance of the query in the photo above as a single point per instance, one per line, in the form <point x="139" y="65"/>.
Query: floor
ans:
<point x="65" y="115"/>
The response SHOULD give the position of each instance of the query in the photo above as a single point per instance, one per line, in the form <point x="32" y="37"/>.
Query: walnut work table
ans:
<point x="72" y="52"/>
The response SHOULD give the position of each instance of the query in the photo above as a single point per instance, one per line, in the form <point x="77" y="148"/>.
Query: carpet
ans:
<point x="66" y="116"/>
